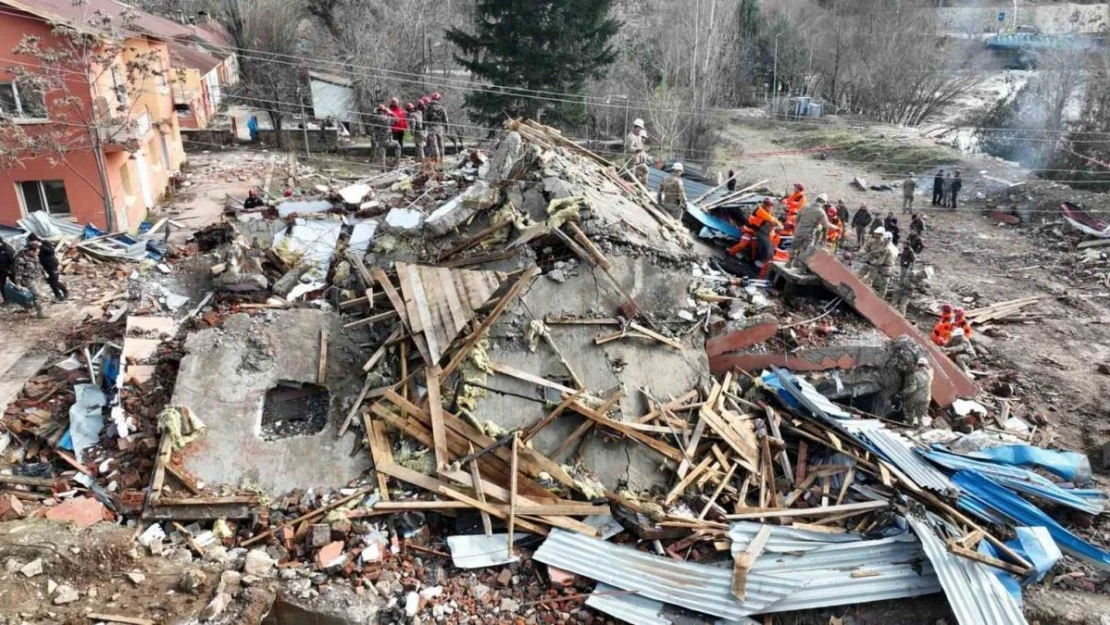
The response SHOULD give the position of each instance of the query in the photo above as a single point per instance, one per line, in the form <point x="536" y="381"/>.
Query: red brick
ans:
<point x="327" y="553"/>
<point x="11" y="508"/>
<point x="83" y="511"/>
<point x="949" y="381"/>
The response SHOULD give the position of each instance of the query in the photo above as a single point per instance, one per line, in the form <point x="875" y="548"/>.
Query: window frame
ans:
<point x="40" y="189"/>
<point x="20" y="114"/>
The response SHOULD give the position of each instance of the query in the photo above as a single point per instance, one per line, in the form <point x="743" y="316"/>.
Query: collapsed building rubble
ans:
<point x="517" y="387"/>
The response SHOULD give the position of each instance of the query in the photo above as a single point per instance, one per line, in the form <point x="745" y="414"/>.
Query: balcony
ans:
<point x="124" y="133"/>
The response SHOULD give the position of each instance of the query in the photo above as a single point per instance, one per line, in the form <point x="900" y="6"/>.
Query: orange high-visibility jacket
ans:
<point x="963" y="324"/>
<point x="795" y="201"/>
<point x="759" y="216"/>
<point x="942" y="332"/>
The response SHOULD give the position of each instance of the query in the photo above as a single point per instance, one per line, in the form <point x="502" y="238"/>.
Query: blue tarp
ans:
<point x="713" y="222"/>
<point x="1069" y="465"/>
<point x="1035" y="544"/>
<point x="1023" y="481"/>
<point x="990" y="501"/>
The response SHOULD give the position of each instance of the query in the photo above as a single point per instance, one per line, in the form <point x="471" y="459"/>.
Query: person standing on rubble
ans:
<point x="416" y="127"/>
<point x="636" y="153"/>
<point x="379" y="131"/>
<point x="954" y="191"/>
<point x="907" y="258"/>
<point x="399" y="124"/>
<point x="917" y="393"/>
<point x="836" y="228"/>
<point x="909" y="187"/>
<point x="942" y="331"/>
<point x="48" y="259"/>
<point x="842" y="212"/>
<point x="731" y="183"/>
<point x="915" y="280"/>
<point x="435" y="123"/>
<point x="946" y="190"/>
<point x="672" y="193"/>
<point x="860" y="221"/>
<point x="27" y="272"/>
<point x="916" y="243"/>
<point x="7" y="261"/>
<point x="871" y="256"/>
<point x="960" y="322"/>
<point x="812" y="226"/>
<point x="887" y="263"/>
<point x="917" y="224"/>
<point x="938" y="187"/>
<point x="252" y="201"/>
<point x="893" y="230"/>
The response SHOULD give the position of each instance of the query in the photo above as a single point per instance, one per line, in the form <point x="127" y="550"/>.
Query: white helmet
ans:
<point x="638" y="123"/>
<point x="823" y="198"/>
<point x="677" y="167"/>
<point x="923" y="362"/>
<point x="879" y="230"/>
<point x="888" y="236"/>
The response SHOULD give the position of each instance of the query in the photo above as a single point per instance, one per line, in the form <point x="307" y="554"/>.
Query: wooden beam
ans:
<point x="585" y="426"/>
<point x="777" y="513"/>
<point x="372" y="319"/>
<point x="513" y="469"/>
<point x="717" y="492"/>
<point x="379" y="353"/>
<point x="474" y="239"/>
<point x="487" y="525"/>
<point x="322" y="364"/>
<point x="308" y="515"/>
<point x="354" y="407"/>
<point x="746" y="560"/>
<point x="686" y="481"/>
<point x="435" y="411"/>
<point x="472" y="340"/>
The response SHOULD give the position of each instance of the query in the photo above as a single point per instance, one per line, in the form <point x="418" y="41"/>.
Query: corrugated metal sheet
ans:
<point x="628" y="607"/>
<point x="785" y="539"/>
<point x="696" y="587"/>
<point x="899" y="450"/>
<point x="975" y="594"/>
<point x="829" y="589"/>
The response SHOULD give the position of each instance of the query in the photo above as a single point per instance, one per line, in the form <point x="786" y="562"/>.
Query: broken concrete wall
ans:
<point x="629" y="364"/>
<point x="224" y="378"/>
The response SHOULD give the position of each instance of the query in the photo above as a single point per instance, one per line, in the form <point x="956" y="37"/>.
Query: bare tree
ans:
<point x="54" y="79"/>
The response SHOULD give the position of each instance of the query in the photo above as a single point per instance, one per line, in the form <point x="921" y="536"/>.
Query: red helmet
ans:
<point x="381" y="107"/>
<point x="393" y="102"/>
<point x="799" y="186"/>
<point x="947" y="308"/>
<point x="959" y="312"/>
<point x="831" y="212"/>
<point x="436" y="97"/>
<point x="409" y="107"/>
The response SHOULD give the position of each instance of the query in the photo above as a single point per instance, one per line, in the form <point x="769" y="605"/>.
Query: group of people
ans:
<point x="425" y="120"/>
<point x="952" y="333"/>
<point x="21" y="271"/>
<point x="946" y="189"/>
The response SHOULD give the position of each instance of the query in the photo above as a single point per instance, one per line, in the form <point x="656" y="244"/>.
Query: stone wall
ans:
<point x="1052" y="19"/>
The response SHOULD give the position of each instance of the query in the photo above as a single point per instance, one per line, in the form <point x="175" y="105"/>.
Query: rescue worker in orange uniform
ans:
<point x="836" y="227"/>
<point x="942" y="331"/>
<point x="960" y="322"/>
<point x="760" y="230"/>
<point x="793" y="203"/>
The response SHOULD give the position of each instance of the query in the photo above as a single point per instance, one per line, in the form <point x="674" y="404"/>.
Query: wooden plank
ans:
<point x="476" y="476"/>
<point x="422" y="300"/>
<point x="846" y="484"/>
<point x="659" y="446"/>
<point x="354" y="407"/>
<point x="182" y="478"/>
<point x="118" y="618"/>
<point x="513" y="470"/>
<point x="502" y="494"/>
<point x="454" y="305"/>
<point x="165" y="449"/>
<point x="964" y="552"/>
<point x="306" y="516"/>
<point x="484" y="327"/>
<point x="379" y="353"/>
<point x="525" y="376"/>
<point x="474" y="239"/>
<point x="686" y="481"/>
<point x="691" y="449"/>
<point x="748" y="453"/>
<point x="381" y="452"/>
<point x="776" y="513"/>
<point x="322" y="365"/>
<point x="435" y="412"/>
<point x="391" y="293"/>
<point x="371" y="320"/>
<point x="585" y="426"/>
<point x="537" y="427"/>
<point x="717" y="492"/>
<point x="408" y="297"/>
<point x="746" y="560"/>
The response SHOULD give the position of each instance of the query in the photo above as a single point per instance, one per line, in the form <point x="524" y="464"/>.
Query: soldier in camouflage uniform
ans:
<point x="435" y="122"/>
<point x="672" y="195"/>
<point x="636" y="153"/>
<point x="917" y="393"/>
<point x="28" y="271"/>
<point x="416" y="127"/>
<point x="914" y="280"/>
<point x="380" y="122"/>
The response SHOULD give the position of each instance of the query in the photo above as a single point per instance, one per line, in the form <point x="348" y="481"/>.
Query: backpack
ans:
<point x="19" y="295"/>
<point x="435" y="114"/>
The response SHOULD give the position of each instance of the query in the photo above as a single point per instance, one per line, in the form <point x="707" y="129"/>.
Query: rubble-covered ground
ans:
<point x="521" y="343"/>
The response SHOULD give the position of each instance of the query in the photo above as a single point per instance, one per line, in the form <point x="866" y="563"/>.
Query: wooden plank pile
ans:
<point x="1010" y="311"/>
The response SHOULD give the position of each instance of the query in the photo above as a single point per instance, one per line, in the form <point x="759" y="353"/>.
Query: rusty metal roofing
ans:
<point x="974" y="593"/>
<point x="182" y="55"/>
<point x="899" y="450"/>
<point x="85" y="16"/>
<point x="692" y="586"/>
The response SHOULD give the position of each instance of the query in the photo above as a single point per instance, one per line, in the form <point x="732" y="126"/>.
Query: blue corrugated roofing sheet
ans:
<point x="988" y="500"/>
<point x="975" y="594"/>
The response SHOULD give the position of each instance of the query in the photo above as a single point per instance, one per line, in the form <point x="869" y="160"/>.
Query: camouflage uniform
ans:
<point x="916" y="395"/>
<point x="887" y="262"/>
<point x="27" y="273"/>
<point x="911" y="281"/>
<point x="672" y="195"/>
<point x="872" y="251"/>
<point x="959" y="349"/>
<point x="381" y="122"/>
<point x="811" y="226"/>
<point x="419" y="134"/>
<point x="435" y="123"/>
<point x="634" y="147"/>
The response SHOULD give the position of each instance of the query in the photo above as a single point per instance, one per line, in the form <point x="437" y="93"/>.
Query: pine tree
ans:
<point x="520" y="47"/>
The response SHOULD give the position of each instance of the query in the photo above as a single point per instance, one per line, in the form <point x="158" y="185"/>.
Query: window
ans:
<point x="44" y="195"/>
<point x="125" y="178"/>
<point x="24" y="103"/>
<point x="182" y="109"/>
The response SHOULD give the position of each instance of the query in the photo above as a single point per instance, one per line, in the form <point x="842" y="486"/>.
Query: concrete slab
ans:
<point x="838" y="357"/>
<point x="17" y="365"/>
<point x="224" y="378"/>
<point x="630" y="364"/>
<point x="949" y="382"/>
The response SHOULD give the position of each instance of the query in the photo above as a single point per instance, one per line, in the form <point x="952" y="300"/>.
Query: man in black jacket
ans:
<point x="48" y="258"/>
<point x="7" y="260"/>
<point x="954" y="193"/>
<point x="938" y="187"/>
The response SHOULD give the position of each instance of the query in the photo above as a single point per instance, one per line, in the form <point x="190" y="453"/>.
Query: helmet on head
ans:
<point x="767" y="202"/>
<point x="425" y="101"/>
<point x="799" y="186"/>
<point x="823" y="198"/>
<point x="677" y="167"/>
<point x="381" y="107"/>
<point x="410" y="107"/>
<point x="436" y="97"/>
<point x="888" y="236"/>
<point x="394" y="102"/>
<point x="959" y="312"/>
<point x="946" y="308"/>
<point x="879" y="231"/>
<point x="638" y="123"/>
<point x="251" y="193"/>
<point x="830" y="210"/>
<point x="923" y="362"/>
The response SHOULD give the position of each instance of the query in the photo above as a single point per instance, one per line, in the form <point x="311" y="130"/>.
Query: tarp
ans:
<point x="1079" y="219"/>
<point x="86" y="419"/>
<point x="1069" y="465"/>
<point x="989" y="501"/>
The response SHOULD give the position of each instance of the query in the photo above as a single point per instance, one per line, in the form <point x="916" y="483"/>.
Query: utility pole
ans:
<point x="304" y="124"/>
<point x="775" y="79"/>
